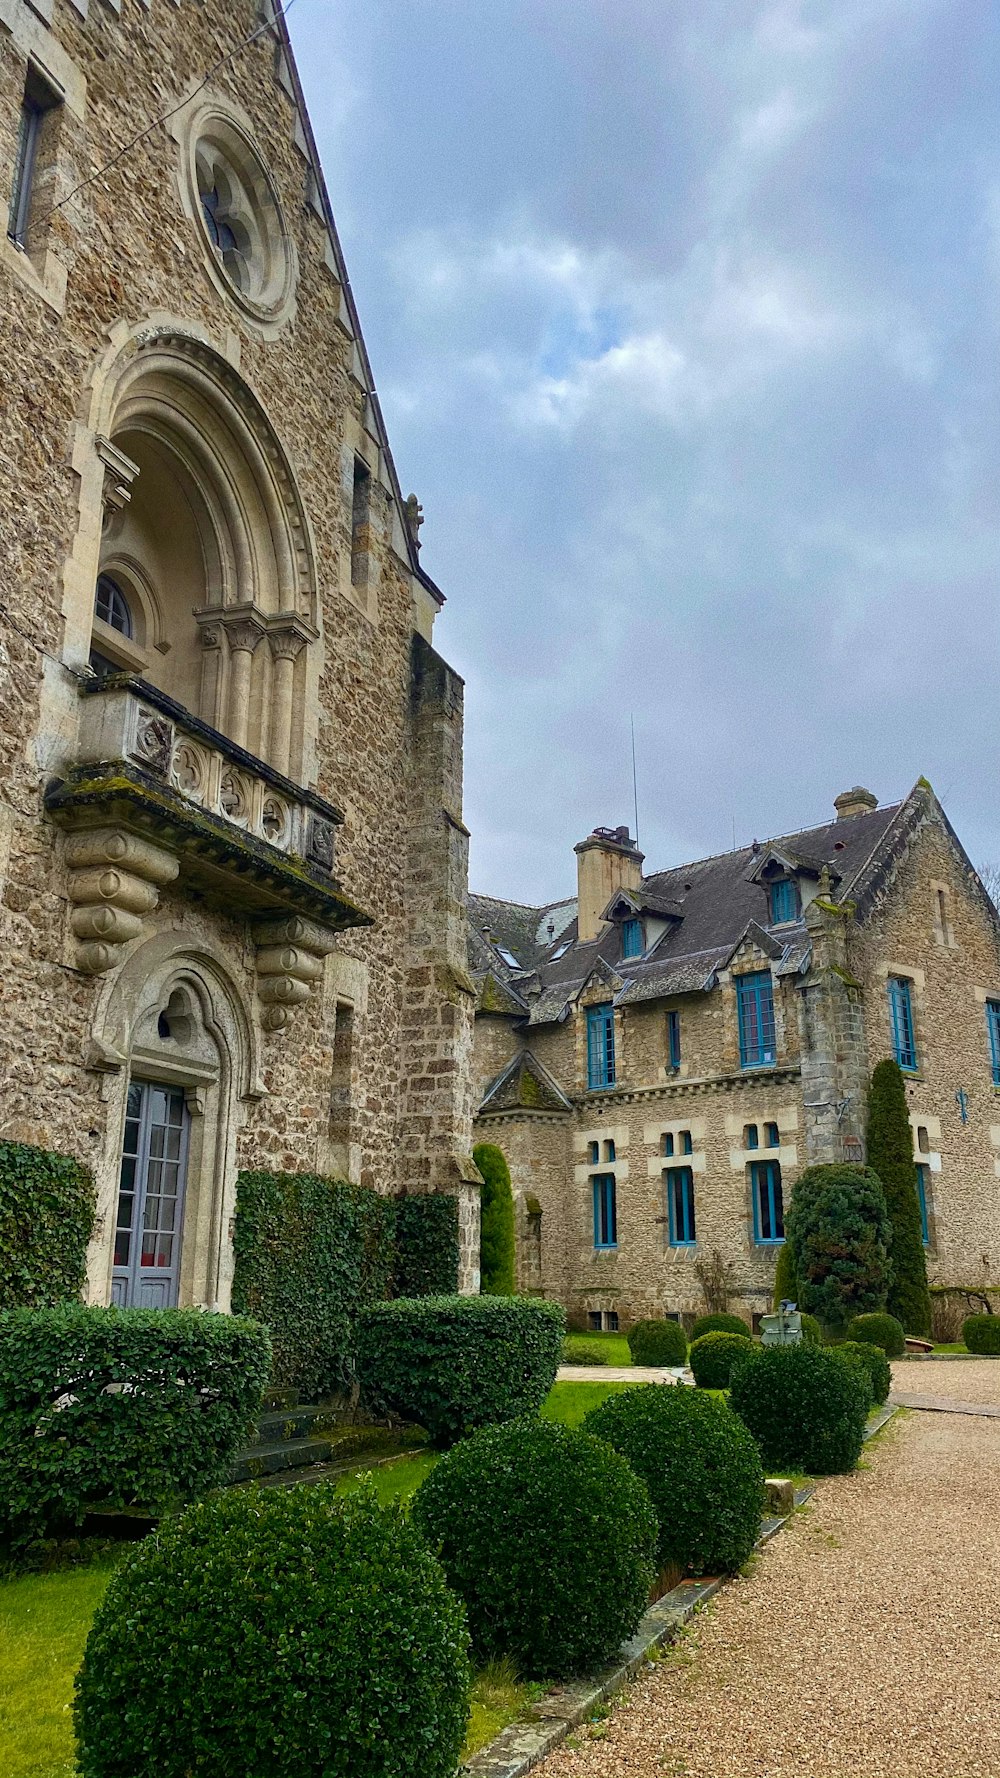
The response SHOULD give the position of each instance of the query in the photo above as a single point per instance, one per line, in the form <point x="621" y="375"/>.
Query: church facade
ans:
<point x="659" y="1056"/>
<point x="232" y="856"/>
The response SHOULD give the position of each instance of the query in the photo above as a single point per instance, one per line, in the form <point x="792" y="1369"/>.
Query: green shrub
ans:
<point x="786" y="1285"/>
<point x="889" y="1141"/>
<point x="713" y="1356"/>
<point x="46" y="1221"/>
<point x="805" y="1406"/>
<point x="277" y="1631"/>
<point x="580" y="1351"/>
<point x="720" y="1323"/>
<point x="549" y="1537"/>
<point x="310" y="1253"/>
<point x="457" y="1362"/>
<point x="700" y="1465"/>
<point x="875" y="1364"/>
<point x="657" y="1343"/>
<point x="812" y="1332"/>
<point x="119" y="1407"/>
<point x="981" y="1333"/>
<point x="879" y="1330"/>
<point x="496" y="1238"/>
<point x="838" y="1228"/>
<point x="426" y="1245"/>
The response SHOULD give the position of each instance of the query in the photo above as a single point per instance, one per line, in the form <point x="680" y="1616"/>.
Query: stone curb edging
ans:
<point x="944" y="1357"/>
<point x="523" y="1744"/>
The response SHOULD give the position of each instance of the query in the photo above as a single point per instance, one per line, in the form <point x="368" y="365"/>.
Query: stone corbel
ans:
<point x="119" y="474"/>
<point x="114" y="884"/>
<point x="290" y="955"/>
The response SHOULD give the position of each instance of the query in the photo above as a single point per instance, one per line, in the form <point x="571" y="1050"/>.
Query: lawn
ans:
<point x="44" y="1620"/>
<point x="609" y="1348"/>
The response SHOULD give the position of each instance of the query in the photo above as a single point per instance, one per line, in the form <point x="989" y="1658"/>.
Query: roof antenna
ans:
<point x="635" y="785"/>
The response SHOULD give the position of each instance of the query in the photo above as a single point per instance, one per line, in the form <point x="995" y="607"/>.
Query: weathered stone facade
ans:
<point x="877" y="894"/>
<point x="237" y="875"/>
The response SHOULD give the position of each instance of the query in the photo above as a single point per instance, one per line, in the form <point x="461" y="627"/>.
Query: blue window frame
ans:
<point x="755" y="1003"/>
<point x="768" y="1205"/>
<point x="680" y="1206"/>
<point x="993" y="1028"/>
<point x="751" y="1137"/>
<point x="668" y="1143"/>
<point x="605" y="1211"/>
<point x="609" y="1151"/>
<point x="600" y="1047"/>
<point x="784" y="896"/>
<point x="904" y="1044"/>
<point x="922" y="1181"/>
<point x="632" y="942"/>
<point x="687" y="1146"/>
<point x="595" y="1153"/>
<point x="674" y="1040"/>
<point x="771" y="1136"/>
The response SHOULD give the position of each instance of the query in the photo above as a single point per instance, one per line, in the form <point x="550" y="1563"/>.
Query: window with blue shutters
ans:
<point x="993" y="1028"/>
<point x="755" y="1006"/>
<point x="922" y="1194"/>
<point x="771" y="1137"/>
<point x="600" y="1047"/>
<point x="904" y="1045"/>
<point x="605" y="1211"/>
<point x="680" y="1206"/>
<point x="632" y="944"/>
<point x="595" y="1153"/>
<point x="768" y="1205"/>
<point x="674" y="1040"/>
<point x="784" y="897"/>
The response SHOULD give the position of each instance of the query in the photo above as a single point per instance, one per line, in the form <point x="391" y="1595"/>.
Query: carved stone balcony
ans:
<point x="155" y="795"/>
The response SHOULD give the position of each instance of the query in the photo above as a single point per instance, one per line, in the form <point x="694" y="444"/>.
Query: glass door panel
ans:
<point x="150" y="1197"/>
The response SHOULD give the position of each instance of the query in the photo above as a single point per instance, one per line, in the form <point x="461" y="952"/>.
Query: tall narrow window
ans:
<point x="923" y="1172"/>
<point x="600" y="1047"/>
<point x="632" y="945"/>
<point x="687" y="1146"/>
<point x="605" y="1211"/>
<point x="784" y="897"/>
<point x="904" y="1045"/>
<point x="361" y="514"/>
<point x="768" y="1205"/>
<point x="38" y="102"/>
<point x="755" y="1005"/>
<point x="668" y="1143"/>
<point x="595" y="1153"/>
<point x="751" y="1136"/>
<point x="673" y="1041"/>
<point x="993" y="1028"/>
<point x="680" y="1206"/>
<point x="771" y="1137"/>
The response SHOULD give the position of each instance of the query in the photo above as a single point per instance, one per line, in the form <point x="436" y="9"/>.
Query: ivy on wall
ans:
<point x="46" y="1221"/>
<point x="426" y="1245"/>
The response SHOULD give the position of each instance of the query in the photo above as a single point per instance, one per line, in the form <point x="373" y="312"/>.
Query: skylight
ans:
<point x="507" y="957"/>
<point x="561" y="952"/>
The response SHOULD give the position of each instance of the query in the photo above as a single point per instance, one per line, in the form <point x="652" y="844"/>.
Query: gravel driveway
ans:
<point x="866" y="1644"/>
<point x="968" y="1379"/>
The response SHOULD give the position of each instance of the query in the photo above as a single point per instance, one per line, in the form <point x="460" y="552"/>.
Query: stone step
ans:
<point x="272" y="1399"/>
<point x="268" y="1459"/>
<point x="289" y="1423"/>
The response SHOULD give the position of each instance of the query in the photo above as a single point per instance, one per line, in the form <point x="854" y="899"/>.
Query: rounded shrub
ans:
<point x="280" y="1631"/>
<point x="657" y="1343"/>
<point x="713" y="1356"/>
<point x="701" y="1467"/>
<point x="577" y="1350"/>
<point x="549" y="1537"/>
<point x="720" y="1323"/>
<point x="804" y="1405"/>
<point x="981" y="1333"/>
<point x="879" y="1330"/>
<point x="875" y="1365"/>
<point x="812" y="1333"/>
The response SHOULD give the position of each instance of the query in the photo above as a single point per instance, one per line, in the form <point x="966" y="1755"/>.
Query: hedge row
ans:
<point x="46" y="1221"/>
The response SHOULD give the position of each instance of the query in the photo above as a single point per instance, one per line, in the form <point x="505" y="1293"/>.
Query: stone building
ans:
<point x="232" y="858"/>
<point x="660" y="1056"/>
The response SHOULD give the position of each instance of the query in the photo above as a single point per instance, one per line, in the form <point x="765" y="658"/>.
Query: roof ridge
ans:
<point x="774" y="840"/>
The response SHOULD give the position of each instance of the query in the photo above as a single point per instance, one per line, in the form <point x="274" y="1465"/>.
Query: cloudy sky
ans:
<point x="685" y="321"/>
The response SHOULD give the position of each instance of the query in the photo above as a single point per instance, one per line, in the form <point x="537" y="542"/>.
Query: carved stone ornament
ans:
<point x="274" y="820"/>
<point x="290" y="955"/>
<point x="154" y="742"/>
<point x="320" y="846"/>
<point x="114" y="883"/>
<point x="234" y="795"/>
<point x="189" y="769"/>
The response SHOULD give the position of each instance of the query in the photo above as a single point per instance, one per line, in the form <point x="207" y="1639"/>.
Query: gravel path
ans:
<point x="965" y="1380"/>
<point x="866" y="1644"/>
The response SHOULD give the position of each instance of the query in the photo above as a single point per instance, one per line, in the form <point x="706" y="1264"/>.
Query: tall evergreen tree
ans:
<point x="890" y="1155"/>
<point x="837" y="1226"/>
<point x="496" y="1238"/>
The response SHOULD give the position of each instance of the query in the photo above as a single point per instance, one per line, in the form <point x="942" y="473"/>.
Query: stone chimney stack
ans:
<point x="607" y="860"/>
<point x="854" y="802"/>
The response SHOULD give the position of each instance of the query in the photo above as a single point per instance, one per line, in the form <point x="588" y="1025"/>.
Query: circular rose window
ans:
<point x="237" y="207"/>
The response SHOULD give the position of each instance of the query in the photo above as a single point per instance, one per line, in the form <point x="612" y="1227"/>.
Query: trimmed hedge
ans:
<point x="837" y="1225"/>
<point x="310" y="1253"/>
<point x="46" y="1220"/>
<point x="720" y="1323"/>
<point x="812" y="1333"/>
<point x="657" y="1343"/>
<point x="701" y="1467"/>
<point x="426" y="1245"/>
<point x="981" y="1333"/>
<point x="805" y="1406"/>
<point x="875" y="1364"/>
<point x="879" y="1330"/>
<point x="576" y="1350"/>
<point x="120" y="1408"/>
<point x="549" y="1537"/>
<point x="786" y="1284"/>
<point x="278" y="1631"/>
<point x="889" y="1144"/>
<point x="713" y="1356"/>
<point x="458" y="1362"/>
<point x="496" y="1235"/>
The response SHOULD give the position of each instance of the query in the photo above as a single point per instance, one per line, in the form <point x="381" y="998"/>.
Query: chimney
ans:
<point x="854" y="802"/>
<point x="607" y="860"/>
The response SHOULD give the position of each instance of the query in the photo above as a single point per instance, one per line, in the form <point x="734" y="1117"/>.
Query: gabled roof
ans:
<point x="526" y="933"/>
<point x="525" y="1085"/>
<point x="643" y="901"/>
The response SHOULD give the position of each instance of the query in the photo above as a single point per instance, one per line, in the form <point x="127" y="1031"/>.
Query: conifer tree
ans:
<point x="890" y="1155"/>
<point x="838" y="1228"/>
<point x="786" y="1285"/>
<point x="496" y="1239"/>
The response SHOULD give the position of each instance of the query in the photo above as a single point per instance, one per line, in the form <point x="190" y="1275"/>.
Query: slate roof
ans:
<point x="717" y="901"/>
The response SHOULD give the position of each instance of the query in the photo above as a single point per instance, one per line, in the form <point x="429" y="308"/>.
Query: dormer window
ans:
<point x="632" y="938"/>
<point x="784" y="899"/>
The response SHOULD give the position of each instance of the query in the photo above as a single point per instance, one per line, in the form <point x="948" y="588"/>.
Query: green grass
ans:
<point x="569" y="1403"/>
<point x="392" y="1481"/>
<point x="498" y="1698"/>
<point x="44" y="1620"/>
<point x="611" y="1348"/>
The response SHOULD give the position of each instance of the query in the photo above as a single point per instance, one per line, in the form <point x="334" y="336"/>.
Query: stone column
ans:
<point x="286" y="646"/>
<point x="244" y="632"/>
<point x="834" y="1058"/>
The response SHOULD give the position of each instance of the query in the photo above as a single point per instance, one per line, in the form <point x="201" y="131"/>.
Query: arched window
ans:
<point x="112" y="607"/>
